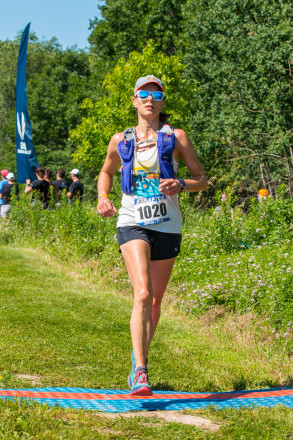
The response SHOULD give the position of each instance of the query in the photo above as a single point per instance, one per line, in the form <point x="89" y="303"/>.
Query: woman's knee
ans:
<point x="142" y="298"/>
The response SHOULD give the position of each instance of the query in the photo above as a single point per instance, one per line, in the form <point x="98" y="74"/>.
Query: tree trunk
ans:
<point x="271" y="191"/>
<point x="291" y="152"/>
<point x="289" y="175"/>
<point x="262" y="175"/>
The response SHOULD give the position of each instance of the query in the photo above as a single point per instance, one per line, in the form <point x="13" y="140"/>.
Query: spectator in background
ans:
<point x="41" y="186"/>
<point x="59" y="184"/>
<point x="7" y="191"/>
<point x="262" y="194"/>
<point x="48" y="175"/>
<point x="2" y="183"/>
<point x="76" y="188"/>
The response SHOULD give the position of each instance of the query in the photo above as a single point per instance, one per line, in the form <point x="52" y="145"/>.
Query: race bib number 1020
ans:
<point x="151" y="209"/>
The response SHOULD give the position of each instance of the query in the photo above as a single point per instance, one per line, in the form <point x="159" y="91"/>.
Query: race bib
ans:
<point x="150" y="210"/>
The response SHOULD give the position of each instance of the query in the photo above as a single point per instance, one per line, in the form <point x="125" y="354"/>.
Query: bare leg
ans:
<point x="160" y="275"/>
<point x="137" y="255"/>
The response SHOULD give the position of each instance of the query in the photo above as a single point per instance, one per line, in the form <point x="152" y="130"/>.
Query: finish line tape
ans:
<point x="122" y="401"/>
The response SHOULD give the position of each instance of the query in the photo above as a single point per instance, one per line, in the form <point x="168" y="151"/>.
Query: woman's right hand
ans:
<point x="105" y="207"/>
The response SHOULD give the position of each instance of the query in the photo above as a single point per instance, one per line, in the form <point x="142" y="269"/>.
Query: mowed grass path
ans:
<point x="64" y="331"/>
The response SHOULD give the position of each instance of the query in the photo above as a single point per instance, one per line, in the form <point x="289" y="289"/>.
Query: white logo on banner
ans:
<point x="21" y="131"/>
<point x="21" y="127"/>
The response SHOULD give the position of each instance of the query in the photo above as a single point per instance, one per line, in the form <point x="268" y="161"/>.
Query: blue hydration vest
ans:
<point x="165" y="144"/>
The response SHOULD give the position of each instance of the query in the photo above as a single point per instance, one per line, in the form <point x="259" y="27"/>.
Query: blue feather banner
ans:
<point x="26" y="158"/>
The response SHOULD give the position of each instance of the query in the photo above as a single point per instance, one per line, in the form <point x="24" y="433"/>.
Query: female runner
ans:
<point x="149" y="221"/>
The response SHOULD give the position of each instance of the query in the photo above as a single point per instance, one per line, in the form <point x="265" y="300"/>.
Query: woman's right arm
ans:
<point x="105" y="181"/>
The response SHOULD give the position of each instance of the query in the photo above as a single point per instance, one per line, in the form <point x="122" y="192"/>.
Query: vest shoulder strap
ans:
<point x="166" y="128"/>
<point x="129" y="134"/>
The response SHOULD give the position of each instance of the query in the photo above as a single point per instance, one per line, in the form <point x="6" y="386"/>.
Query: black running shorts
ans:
<point x="163" y="245"/>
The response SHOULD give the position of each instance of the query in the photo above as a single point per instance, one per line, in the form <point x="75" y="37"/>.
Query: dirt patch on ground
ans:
<point x="35" y="380"/>
<point x="213" y="315"/>
<point x="168" y="416"/>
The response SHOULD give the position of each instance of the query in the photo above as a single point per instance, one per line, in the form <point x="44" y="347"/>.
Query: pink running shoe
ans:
<point x="141" y="386"/>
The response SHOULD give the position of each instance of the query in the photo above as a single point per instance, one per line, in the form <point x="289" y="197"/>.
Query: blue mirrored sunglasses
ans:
<point x="144" y="94"/>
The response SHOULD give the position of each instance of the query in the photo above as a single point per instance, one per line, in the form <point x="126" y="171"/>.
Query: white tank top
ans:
<point x="146" y="181"/>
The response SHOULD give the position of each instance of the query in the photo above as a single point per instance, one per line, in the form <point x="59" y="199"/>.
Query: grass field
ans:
<point x="58" y="328"/>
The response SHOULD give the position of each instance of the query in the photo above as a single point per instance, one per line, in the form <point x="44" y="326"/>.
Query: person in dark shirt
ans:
<point x="41" y="186"/>
<point x="48" y="175"/>
<point x="59" y="184"/>
<point x="8" y="190"/>
<point x="76" y="188"/>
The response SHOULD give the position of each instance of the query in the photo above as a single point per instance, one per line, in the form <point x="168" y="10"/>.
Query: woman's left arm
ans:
<point x="185" y="150"/>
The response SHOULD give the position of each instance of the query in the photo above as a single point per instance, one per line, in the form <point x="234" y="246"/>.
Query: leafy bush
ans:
<point x="74" y="230"/>
<point x="243" y="262"/>
<point x="229" y="229"/>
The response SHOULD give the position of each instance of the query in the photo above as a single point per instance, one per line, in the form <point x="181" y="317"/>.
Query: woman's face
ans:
<point x="148" y="107"/>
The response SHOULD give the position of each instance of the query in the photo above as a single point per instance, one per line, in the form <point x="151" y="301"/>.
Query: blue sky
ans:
<point x="67" y="20"/>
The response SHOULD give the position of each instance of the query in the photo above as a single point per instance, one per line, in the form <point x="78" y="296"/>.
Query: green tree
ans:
<point x="240" y="53"/>
<point x="37" y="54"/>
<point x="8" y="62"/>
<point x="57" y="83"/>
<point x="126" y="26"/>
<point x="55" y="95"/>
<point x="114" y="111"/>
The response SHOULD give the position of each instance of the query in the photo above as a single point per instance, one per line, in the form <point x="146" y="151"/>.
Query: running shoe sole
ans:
<point x="143" y="391"/>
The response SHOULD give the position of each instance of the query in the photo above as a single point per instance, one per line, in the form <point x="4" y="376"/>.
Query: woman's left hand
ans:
<point x="170" y="186"/>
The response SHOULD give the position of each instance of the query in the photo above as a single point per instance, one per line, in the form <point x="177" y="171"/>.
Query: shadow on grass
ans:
<point x="241" y="384"/>
<point x="288" y="383"/>
<point x="161" y="386"/>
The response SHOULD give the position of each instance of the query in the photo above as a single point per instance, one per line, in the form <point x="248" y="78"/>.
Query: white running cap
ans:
<point x="146" y="80"/>
<point x="10" y="176"/>
<point x="75" y="171"/>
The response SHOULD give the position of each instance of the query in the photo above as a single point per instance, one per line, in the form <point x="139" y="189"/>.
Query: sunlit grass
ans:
<point x="20" y="420"/>
<point x="58" y="329"/>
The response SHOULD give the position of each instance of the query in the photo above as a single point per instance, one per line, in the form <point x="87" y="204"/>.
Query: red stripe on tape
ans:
<point x="98" y="396"/>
